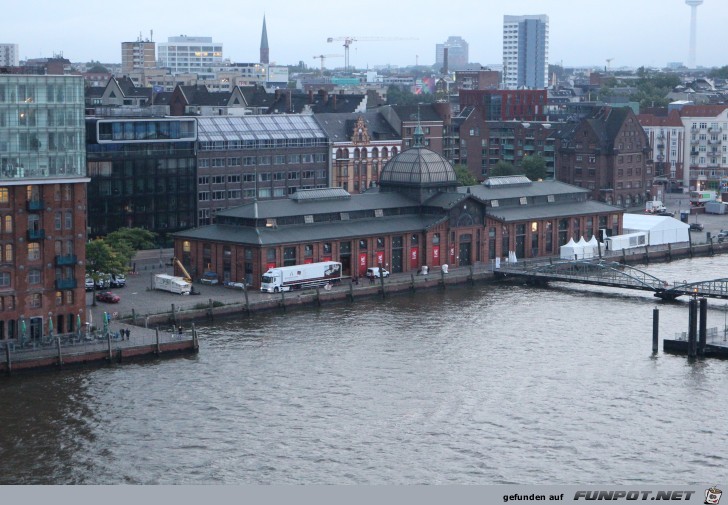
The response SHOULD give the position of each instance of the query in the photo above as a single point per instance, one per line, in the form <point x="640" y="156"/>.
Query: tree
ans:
<point x="534" y="167"/>
<point x="464" y="177"/>
<point x="97" y="68"/>
<point x="138" y="238"/>
<point x="502" y="168"/>
<point x="101" y="259"/>
<point x="398" y="96"/>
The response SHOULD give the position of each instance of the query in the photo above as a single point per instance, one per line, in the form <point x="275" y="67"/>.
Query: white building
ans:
<point x="190" y="55"/>
<point x="705" y="146"/>
<point x="9" y="55"/>
<point x="526" y="52"/>
<point x="666" y="136"/>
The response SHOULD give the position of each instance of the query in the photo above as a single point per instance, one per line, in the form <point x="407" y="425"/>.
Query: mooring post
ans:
<point x="647" y="254"/>
<point x="381" y="279"/>
<point x="195" y="342"/>
<point x="624" y="256"/>
<point x="690" y="244"/>
<point x="282" y="303"/>
<point x="442" y="278"/>
<point x="247" y="303"/>
<point x="351" y="292"/>
<point x="692" y="327"/>
<point x="60" y="355"/>
<point x="317" y="300"/>
<point x="669" y="252"/>
<point x="174" y="316"/>
<point x="655" y="328"/>
<point x="133" y="316"/>
<point x="210" y="308"/>
<point x="711" y="246"/>
<point x="470" y="278"/>
<point x="156" y="334"/>
<point x="7" y="357"/>
<point x="703" y="333"/>
<point x="108" y="340"/>
<point x="599" y="249"/>
<point x="412" y="282"/>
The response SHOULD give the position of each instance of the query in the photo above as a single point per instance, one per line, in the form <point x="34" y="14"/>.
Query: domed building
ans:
<point x="416" y="216"/>
<point x="418" y="172"/>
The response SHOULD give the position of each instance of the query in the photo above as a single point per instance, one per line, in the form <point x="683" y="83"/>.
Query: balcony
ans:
<point x="548" y="148"/>
<point x="36" y="234"/>
<point x="67" y="260"/>
<point x="35" y="205"/>
<point x="717" y="129"/>
<point x="65" y="284"/>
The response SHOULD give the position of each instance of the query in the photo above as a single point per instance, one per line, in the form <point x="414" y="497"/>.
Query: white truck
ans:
<point x="166" y="282"/>
<point x="654" y="207"/>
<point x="300" y="276"/>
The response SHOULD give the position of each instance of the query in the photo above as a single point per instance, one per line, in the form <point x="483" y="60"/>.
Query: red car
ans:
<point x="108" y="296"/>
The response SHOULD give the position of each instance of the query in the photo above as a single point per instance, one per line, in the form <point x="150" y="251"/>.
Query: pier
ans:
<point x="94" y="347"/>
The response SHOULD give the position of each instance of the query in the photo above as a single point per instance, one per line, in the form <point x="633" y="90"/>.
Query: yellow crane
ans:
<point x="348" y="40"/>
<point x="187" y="277"/>
<point x="322" y="57"/>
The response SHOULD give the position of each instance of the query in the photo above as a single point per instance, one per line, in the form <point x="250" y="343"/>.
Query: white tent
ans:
<point x="586" y="250"/>
<point x="659" y="229"/>
<point x="594" y="245"/>
<point x="571" y="250"/>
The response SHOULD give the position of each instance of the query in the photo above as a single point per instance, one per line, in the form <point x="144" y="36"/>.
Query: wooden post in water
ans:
<point x="156" y="332"/>
<point x="690" y="244"/>
<point x="669" y="252"/>
<point x="703" y="333"/>
<point x="7" y="357"/>
<point x="599" y="249"/>
<point x="624" y="256"/>
<point x="174" y="316"/>
<point x="647" y="255"/>
<point x="412" y="282"/>
<point x="195" y="342"/>
<point x="60" y="355"/>
<point x="247" y="302"/>
<point x="210" y="308"/>
<point x="133" y="316"/>
<point x="711" y="246"/>
<point x="470" y="278"/>
<point x="351" y="292"/>
<point x="692" y="327"/>
<point x="655" y="328"/>
<point x="442" y="278"/>
<point x="282" y="303"/>
<point x="108" y="340"/>
<point x="381" y="279"/>
<point x="317" y="299"/>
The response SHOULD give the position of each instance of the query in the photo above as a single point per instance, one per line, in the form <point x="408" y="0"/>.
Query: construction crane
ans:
<point x="322" y="57"/>
<point x="348" y="40"/>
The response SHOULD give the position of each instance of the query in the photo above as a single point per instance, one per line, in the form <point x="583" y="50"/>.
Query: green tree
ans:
<point x="138" y="238"/>
<point x="464" y="177"/>
<point x="534" y="167"/>
<point x="97" y="68"/>
<point x="502" y="168"/>
<point x="398" y="96"/>
<point x="720" y="73"/>
<point x="101" y="259"/>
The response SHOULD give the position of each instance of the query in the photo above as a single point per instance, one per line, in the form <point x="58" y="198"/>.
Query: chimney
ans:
<point x="290" y="105"/>
<point x="444" y="60"/>
<point x="310" y="96"/>
<point x="334" y="103"/>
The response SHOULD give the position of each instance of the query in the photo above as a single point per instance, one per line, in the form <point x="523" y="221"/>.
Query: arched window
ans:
<point x="375" y="153"/>
<point x="385" y="153"/>
<point x="356" y="153"/>
<point x="394" y="151"/>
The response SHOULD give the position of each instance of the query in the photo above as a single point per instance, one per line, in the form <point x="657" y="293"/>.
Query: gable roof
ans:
<point x="339" y="127"/>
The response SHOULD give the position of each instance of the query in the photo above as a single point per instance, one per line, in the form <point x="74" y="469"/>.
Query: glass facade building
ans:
<point x="142" y="174"/>
<point x="41" y="127"/>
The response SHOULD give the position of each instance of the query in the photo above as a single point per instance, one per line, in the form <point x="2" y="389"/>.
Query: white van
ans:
<point x="373" y="272"/>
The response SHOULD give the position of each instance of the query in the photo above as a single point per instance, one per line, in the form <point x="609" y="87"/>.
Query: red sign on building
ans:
<point x="435" y="254"/>
<point x="362" y="264"/>
<point x="414" y="254"/>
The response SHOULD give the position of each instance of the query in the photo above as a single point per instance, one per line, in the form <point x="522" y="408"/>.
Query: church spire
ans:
<point x="264" y="52"/>
<point x="419" y="136"/>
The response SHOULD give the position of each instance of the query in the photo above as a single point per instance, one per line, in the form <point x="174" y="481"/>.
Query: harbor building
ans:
<point x="417" y="215"/>
<point x="42" y="205"/>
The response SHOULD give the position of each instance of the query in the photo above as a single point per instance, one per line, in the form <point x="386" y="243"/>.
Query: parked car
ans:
<point x="89" y="283"/>
<point x="108" y="297"/>
<point x="722" y="235"/>
<point x="209" y="278"/>
<point x="104" y="281"/>
<point x="375" y="272"/>
<point x="666" y="213"/>
<point x="696" y="227"/>
<point x="117" y="281"/>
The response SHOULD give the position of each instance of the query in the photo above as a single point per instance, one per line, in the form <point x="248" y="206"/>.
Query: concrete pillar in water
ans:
<point x="692" y="327"/>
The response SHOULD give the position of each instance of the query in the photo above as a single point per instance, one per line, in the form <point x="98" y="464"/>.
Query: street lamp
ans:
<point x="50" y="325"/>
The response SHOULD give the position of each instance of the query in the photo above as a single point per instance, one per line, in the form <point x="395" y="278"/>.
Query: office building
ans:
<point x="190" y="55"/>
<point x="456" y="54"/>
<point x="525" y="52"/>
<point x="9" y="55"/>
<point x="42" y="206"/>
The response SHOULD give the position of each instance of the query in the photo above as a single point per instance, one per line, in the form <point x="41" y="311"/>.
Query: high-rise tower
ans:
<point x="525" y="51"/>
<point x="693" y="29"/>
<point x="264" y="53"/>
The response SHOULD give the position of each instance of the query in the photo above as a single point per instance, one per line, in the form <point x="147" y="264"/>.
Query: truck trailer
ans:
<point x="166" y="282"/>
<point x="700" y="198"/>
<point x="300" y="276"/>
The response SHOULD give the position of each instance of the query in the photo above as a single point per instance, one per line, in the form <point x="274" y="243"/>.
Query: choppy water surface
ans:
<point x="488" y="384"/>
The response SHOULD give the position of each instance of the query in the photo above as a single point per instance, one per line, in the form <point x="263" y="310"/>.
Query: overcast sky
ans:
<point x="585" y="32"/>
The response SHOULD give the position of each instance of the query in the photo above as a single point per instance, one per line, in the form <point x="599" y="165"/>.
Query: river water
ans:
<point x="490" y="384"/>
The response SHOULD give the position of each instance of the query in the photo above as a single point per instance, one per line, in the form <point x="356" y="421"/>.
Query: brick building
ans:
<point x="42" y="206"/>
<point x="608" y="153"/>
